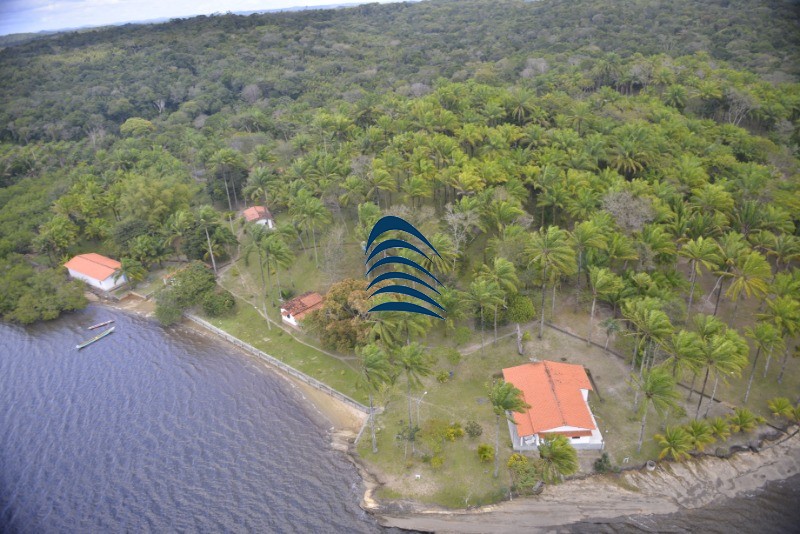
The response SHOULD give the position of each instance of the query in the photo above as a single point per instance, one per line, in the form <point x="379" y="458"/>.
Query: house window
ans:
<point x="576" y="437"/>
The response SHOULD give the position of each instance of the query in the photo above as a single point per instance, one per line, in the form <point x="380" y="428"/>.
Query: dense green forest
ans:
<point x="636" y="162"/>
<point x="658" y="125"/>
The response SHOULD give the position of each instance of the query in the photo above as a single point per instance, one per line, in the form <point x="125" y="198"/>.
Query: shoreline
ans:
<point x="672" y="487"/>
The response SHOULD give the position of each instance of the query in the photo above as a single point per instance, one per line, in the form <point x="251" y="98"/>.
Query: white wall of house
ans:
<point x="289" y="319"/>
<point x="269" y="223"/>
<point x="529" y="443"/>
<point x="106" y="285"/>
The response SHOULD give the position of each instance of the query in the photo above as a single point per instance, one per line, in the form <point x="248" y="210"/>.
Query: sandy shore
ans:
<point x="670" y="488"/>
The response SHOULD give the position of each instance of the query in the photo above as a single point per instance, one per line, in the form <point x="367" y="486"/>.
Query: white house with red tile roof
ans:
<point x="558" y="395"/>
<point x="259" y="215"/>
<point x="293" y="311"/>
<point x="96" y="270"/>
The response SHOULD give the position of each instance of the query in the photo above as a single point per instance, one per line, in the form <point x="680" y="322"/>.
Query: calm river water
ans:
<point x="154" y="430"/>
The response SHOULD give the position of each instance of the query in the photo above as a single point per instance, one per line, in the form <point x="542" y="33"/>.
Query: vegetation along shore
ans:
<point x="614" y="193"/>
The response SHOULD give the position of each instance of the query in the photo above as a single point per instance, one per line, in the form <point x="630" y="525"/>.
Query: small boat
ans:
<point x="98" y="325"/>
<point x="101" y="335"/>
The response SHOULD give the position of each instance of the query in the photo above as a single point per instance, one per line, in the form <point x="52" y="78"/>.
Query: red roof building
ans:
<point x="96" y="270"/>
<point x="259" y="215"/>
<point x="293" y="311"/>
<point x="558" y="395"/>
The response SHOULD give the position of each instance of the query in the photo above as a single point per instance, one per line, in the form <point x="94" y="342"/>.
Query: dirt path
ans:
<point x="475" y="347"/>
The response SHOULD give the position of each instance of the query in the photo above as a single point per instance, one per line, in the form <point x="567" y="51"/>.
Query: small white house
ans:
<point x="259" y="215"/>
<point x="558" y="395"/>
<point x="96" y="270"/>
<point x="293" y="311"/>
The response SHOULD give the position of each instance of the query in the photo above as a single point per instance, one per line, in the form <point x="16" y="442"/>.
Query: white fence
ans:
<point x="288" y="369"/>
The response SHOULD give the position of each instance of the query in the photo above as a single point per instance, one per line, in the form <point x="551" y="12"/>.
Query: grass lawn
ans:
<point x="248" y="325"/>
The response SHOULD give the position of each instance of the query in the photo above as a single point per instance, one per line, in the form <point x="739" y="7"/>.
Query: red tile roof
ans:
<point x="93" y="265"/>
<point x="256" y="213"/>
<point x="553" y="390"/>
<point x="300" y="306"/>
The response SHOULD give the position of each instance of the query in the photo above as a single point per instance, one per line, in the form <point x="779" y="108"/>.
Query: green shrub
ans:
<point x="462" y="335"/>
<point x="454" y="431"/>
<point x="218" y="303"/>
<point x="603" y="464"/>
<point x="525" y="475"/>
<point x="473" y="429"/>
<point x="287" y="294"/>
<point x="517" y="460"/>
<point x="437" y="462"/>
<point x="485" y="453"/>
<point x="453" y="356"/>
<point x="442" y="377"/>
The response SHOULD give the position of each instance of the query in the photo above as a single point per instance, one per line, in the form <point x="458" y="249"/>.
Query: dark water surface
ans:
<point x="154" y="430"/>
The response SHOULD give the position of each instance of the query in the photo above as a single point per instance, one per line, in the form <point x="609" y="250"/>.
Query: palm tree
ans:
<point x="603" y="282"/>
<point x="558" y="458"/>
<point x="504" y="398"/>
<point x="454" y="302"/>
<point x="224" y="162"/>
<point x="699" y="251"/>
<point x="652" y="326"/>
<point x="549" y="250"/>
<point x="207" y="219"/>
<point x="732" y="248"/>
<point x="499" y="213"/>
<point x="611" y="326"/>
<point x="784" y="313"/>
<point x="385" y="329"/>
<point x="415" y="363"/>
<point x="258" y="183"/>
<point x="684" y="349"/>
<point x="586" y="236"/>
<point x="484" y="293"/>
<point x="310" y="213"/>
<point x="781" y="407"/>
<point x="766" y="338"/>
<point x="743" y="420"/>
<point x="376" y="369"/>
<point x="720" y="428"/>
<point x="133" y="271"/>
<point x="504" y="275"/>
<point x="176" y="229"/>
<point x="750" y="275"/>
<point x="658" y="389"/>
<point x="258" y="234"/>
<point x="726" y="355"/>
<point x="277" y="255"/>
<point x="520" y="310"/>
<point x="675" y="442"/>
<point x="701" y="434"/>
<point x="445" y="261"/>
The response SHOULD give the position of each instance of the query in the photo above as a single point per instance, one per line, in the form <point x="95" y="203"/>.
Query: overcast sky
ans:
<point x="21" y="16"/>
